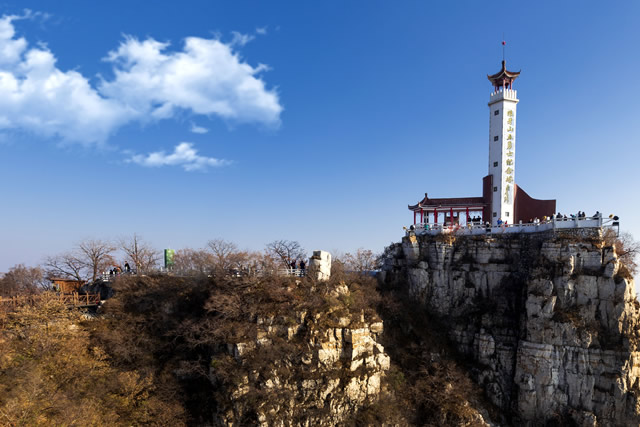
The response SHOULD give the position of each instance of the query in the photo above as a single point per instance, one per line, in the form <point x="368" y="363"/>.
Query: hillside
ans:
<point x="235" y="351"/>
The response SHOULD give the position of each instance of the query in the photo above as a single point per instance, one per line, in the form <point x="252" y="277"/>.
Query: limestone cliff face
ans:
<point x="334" y="365"/>
<point x="549" y="320"/>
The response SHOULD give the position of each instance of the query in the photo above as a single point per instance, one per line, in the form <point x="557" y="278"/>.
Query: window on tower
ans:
<point x="495" y="113"/>
<point x="495" y="138"/>
<point x="495" y="214"/>
<point x="495" y="188"/>
<point x="506" y="214"/>
<point x="495" y="164"/>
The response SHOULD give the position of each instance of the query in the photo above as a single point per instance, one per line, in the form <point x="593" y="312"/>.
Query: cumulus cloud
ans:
<point x="198" y="129"/>
<point x="38" y="97"/>
<point x="183" y="155"/>
<point x="151" y="82"/>
<point x="207" y="77"/>
<point x="261" y="30"/>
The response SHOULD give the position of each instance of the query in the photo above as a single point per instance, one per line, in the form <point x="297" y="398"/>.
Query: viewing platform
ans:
<point x="70" y="300"/>
<point x="553" y="224"/>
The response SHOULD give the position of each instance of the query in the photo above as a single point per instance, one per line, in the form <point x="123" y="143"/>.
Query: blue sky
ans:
<point x="311" y="121"/>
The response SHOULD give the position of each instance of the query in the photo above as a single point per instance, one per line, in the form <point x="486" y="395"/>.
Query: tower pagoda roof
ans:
<point x="503" y="78"/>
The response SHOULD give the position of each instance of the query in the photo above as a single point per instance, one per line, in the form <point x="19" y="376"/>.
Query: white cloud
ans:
<point x="198" y="129"/>
<point x="240" y="39"/>
<point x="261" y="30"/>
<point x="38" y="97"/>
<point x="183" y="155"/>
<point x="206" y="77"/>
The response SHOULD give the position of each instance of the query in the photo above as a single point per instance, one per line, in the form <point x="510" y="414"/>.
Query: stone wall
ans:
<point x="549" y="322"/>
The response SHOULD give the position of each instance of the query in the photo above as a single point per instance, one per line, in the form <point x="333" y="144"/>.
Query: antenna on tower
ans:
<point x="503" y="45"/>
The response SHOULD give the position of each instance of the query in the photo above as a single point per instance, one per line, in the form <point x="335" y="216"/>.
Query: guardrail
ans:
<point x="551" y="224"/>
<point x="73" y="300"/>
<point x="108" y="277"/>
<point x="295" y="272"/>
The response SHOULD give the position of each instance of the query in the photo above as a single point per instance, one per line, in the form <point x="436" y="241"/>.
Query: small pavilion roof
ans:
<point x="459" y="202"/>
<point x="503" y="75"/>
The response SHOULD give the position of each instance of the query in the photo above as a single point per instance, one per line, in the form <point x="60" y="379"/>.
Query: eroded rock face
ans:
<point x="550" y="322"/>
<point x="320" y="265"/>
<point x="335" y="367"/>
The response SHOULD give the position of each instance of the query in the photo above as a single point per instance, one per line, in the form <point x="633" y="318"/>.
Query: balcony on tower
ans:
<point x="499" y="95"/>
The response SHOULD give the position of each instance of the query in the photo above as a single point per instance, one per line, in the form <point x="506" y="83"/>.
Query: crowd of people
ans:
<point x="116" y="270"/>
<point x="559" y="216"/>
<point x="477" y="221"/>
<point x="301" y="265"/>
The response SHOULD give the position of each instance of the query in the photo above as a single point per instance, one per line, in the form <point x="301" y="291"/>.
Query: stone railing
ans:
<point x="551" y="224"/>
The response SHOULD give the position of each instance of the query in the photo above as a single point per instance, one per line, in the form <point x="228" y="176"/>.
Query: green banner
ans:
<point x="168" y="258"/>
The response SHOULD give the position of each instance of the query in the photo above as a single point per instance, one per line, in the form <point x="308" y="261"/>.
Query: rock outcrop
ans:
<point x="331" y="365"/>
<point x="320" y="265"/>
<point x="550" y="321"/>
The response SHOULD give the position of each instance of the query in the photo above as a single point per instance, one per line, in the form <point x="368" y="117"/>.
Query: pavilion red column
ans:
<point x="467" y="218"/>
<point x="414" y="217"/>
<point x="421" y="216"/>
<point x="451" y="215"/>
<point x="435" y="215"/>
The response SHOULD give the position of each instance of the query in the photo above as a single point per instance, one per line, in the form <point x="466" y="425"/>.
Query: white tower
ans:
<point x="502" y="144"/>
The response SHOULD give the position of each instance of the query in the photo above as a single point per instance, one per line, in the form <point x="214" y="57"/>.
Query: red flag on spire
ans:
<point x="504" y="42"/>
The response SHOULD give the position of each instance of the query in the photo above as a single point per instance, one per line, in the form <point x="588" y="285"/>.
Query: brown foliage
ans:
<point x="22" y="280"/>
<point x="429" y="385"/>
<point x="626" y="248"/>
<point x="50" y="374"/>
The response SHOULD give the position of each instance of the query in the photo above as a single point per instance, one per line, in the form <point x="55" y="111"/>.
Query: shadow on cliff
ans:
<point x="429" y="381"/>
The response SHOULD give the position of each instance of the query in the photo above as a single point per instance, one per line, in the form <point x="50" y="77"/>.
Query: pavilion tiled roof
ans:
<point x="503" y="75"/>
<point x="448" y="202"/>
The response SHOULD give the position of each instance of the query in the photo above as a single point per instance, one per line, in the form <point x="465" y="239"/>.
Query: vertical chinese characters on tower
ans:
<point x="509" y="154"/>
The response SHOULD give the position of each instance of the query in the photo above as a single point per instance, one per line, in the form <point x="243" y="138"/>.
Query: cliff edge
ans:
<point x="549" y="322"/>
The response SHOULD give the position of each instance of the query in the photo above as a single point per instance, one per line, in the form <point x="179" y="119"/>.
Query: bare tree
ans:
<point x="627" y="250"/>
<point x="96" y="255"/>
<point x="362" y="261"/>
<point x="286" y="251"/>
<point x="85" y="262"/>
<point x="139" y="252"/>
<point x="223" y="252"/>
<point x="227" y="256"/>
<point x="193" y="261"/>
<point x="20" y="280"/>
<point x="66" y="265"/>
<point x="626" y="247"/>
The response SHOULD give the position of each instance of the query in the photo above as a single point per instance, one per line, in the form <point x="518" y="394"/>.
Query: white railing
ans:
<point x="503" y="94"/>
<point x="108" y="277"/>
<point x="474" y="228"/>
<point x="295" y="272"/>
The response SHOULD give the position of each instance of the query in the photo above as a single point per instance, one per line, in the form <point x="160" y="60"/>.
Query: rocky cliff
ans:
<point x="550" y="321"/>
<point x="303" y="367"/>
